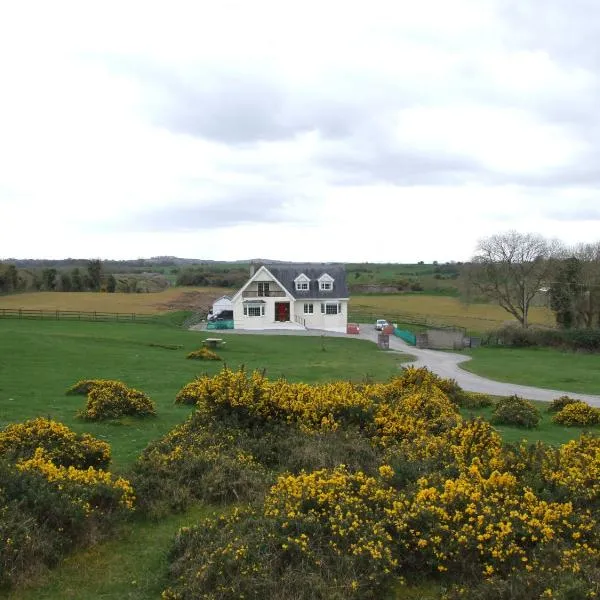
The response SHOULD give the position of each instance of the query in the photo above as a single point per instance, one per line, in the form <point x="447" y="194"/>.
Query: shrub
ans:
<point x="474" y="400"/>
<point x="83" y="386"/>
<point x="559" y="403"/>
<point x="571" y="473"/>
<point x="516" y="411"/>
<point x="60" y="444"/>
<point x="578" y="414"/>
<point x="113" y="399"/>
<point x="204" y="354"/>
<point x="47" y="510"/>
<point x="197" y="460"/>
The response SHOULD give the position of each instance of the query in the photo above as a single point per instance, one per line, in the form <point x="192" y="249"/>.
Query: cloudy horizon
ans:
<point x="380" y="132"/>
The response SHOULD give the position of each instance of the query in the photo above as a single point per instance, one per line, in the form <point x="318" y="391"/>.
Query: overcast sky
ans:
<point x="311" y="131"/>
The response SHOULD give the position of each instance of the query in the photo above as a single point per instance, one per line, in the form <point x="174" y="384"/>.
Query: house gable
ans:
<point x="261" y="272"/>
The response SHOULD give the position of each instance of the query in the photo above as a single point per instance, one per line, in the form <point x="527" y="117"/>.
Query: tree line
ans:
<point x="514" y="269"/>
<point x="90" y="277"/>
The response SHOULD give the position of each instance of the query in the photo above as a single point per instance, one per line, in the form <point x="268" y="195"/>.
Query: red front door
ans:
<point x="282" y="311"/>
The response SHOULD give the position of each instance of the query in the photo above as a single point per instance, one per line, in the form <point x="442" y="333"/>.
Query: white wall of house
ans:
<point x="317" y="319"/>
<point x="221" y="304"/>
<point x="260" y="313"/>
<point x="256" y="291"/>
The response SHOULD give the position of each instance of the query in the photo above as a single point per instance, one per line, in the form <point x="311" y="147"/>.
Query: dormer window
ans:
<point x="302" y="283"/>
<point x="326" y="283"/>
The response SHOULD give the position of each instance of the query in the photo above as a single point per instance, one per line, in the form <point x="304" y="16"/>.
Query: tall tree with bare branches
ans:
<point x="510" y="268"/>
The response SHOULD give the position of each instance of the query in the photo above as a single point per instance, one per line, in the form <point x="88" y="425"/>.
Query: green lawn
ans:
<point x="40" y="359"/>
<point x="546" y="431"/>
<point x="539" y="367"/>
<point x="134" y="566"/>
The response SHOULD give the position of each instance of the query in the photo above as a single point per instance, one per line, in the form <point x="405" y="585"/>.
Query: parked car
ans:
<point x="353" y="328"/>
<point x="381" y="324"/>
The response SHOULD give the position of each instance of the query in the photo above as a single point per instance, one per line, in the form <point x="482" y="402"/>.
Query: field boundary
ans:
<point x="75" y="315"/>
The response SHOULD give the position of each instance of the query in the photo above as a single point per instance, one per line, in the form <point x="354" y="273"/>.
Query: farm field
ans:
<point x="440" y="310"/>
<point x="157" y="302"/>
<point x="539" y="367"/>
<point x="41" y="359"/>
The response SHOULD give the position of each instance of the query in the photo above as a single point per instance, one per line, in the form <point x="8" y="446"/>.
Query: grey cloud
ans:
<point x="232" y="106"/>
<point x="251" y="206"/>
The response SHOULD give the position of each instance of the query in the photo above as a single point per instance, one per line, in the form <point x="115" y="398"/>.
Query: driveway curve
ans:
<point x="444" y="364"/>
<point x="447" y="364"/>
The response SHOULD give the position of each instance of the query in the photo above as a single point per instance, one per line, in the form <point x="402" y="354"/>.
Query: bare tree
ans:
<point x="510" y="268"/>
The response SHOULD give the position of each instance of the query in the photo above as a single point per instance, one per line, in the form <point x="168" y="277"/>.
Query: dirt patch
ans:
<point x="196" y="300"/>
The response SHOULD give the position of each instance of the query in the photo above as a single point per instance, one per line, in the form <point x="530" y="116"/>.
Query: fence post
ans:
<point x="57" y="316"/>
<point x="94" y="315"/>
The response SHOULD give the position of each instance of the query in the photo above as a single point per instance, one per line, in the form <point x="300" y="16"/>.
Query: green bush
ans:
<point x="578" y="414"/>
<point x="474" y="400"/>
<point x="516" y="411"/>
<point x="559" y="403"/>
<point x="47" y="511"/>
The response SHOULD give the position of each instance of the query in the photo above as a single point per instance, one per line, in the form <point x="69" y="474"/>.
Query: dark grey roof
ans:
<point x="286" y="273"/>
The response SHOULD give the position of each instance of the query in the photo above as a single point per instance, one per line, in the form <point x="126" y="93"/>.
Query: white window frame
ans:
<point x="328" y="308"/>
<point x="325" y="286"/>
<point x="254" y="307"/>
<point x="309" y="308"/>
<point x="302" y="286"/>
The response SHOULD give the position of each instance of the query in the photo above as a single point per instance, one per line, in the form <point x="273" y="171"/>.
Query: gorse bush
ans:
<point x="516" y="411"/>
<point x="475" y="400"/>
<point x="83" y="386"/>
<point x="203" y="354"/>
<point x="559" y="403"/>
<point x="578" y="414"/>
<point x="107" y="399"/>
<point x="52" y="498"/>
<point x="59" y="443"/>
<point x="354" y="488"/>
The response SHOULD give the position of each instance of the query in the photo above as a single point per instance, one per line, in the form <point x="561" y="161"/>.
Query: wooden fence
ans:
<point x="74" y="315"/>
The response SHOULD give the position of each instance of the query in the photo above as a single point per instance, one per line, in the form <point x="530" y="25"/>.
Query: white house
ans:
<point x="293" y="296"/>
<point x="220" y="304"/>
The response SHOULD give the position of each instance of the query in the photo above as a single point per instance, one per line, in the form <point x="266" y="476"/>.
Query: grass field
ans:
<point x="441" y="310"/>
<point x="169" y="299"/>
<point x="39" y="360"/>
<point x="540" y="367"/>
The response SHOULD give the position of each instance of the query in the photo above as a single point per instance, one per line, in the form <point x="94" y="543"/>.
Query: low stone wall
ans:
<point x="441" y="339"/>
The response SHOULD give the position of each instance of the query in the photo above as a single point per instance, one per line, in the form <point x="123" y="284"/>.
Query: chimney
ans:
<point x="252" y="268"/>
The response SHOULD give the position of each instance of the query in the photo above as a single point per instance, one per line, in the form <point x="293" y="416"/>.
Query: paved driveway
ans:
<point x="446" y="364"/>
